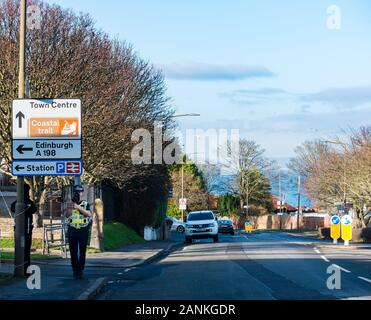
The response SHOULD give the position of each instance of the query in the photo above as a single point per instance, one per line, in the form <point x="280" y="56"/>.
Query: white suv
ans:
<point x="201" y="225"/>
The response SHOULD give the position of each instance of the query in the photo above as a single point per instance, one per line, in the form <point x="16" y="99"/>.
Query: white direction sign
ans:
<point x="46" y="149"/>
<point x="46" y="119"/>
<point x="183" y="204"/>
<point x="45" y="131"/>
<point x="47" y="168"/>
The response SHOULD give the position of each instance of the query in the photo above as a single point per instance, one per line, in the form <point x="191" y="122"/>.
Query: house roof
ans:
<point x="288" y="207"/>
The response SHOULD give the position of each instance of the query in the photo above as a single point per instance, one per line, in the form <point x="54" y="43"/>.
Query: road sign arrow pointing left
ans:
<point x="22" y="148"/>
<point x="19" y="116"/>
<point x="19" y="167"/>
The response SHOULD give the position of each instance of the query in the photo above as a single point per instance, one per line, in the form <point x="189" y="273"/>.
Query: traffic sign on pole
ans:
<point x="46" y="149"/>
<point x="335" y="228"/>
<point x="183" y="204"/>
<point x="46" y="119"/>
<point x="46" y="137"/>
<point x="346" y="229"/>
<point x="46" y="168"/>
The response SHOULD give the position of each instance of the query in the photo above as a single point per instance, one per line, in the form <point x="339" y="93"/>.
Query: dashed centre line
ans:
<point x="365" y="279"/>
<point x="342" y="269"/>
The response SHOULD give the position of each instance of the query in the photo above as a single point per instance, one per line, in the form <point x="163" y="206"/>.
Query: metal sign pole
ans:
<point x="20" y="217"/>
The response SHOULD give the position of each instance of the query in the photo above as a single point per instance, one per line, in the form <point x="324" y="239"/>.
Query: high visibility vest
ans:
<point x="77" y="220"/>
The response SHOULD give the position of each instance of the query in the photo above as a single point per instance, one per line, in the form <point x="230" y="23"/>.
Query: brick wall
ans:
<point x="7" y="228"/>
<point x="6" y="199"/>
<point x="286" y="222"/>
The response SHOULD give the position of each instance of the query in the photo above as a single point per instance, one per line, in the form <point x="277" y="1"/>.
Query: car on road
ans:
<point x="225" y="226"/>
<point x="177" y="225"/>
<point x="201" y="225"/>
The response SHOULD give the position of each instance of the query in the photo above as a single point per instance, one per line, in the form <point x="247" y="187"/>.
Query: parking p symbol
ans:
<point x="61" y="168"/>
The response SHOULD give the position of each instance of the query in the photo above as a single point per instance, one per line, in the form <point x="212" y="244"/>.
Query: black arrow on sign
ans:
<point x="18" y="167"/>
<point x="19" y="115"/>
<point x="21" y="148"/>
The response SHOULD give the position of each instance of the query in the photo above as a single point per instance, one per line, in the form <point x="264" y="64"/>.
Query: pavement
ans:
<point x="257" y="266"/>
<point x="56" y="275"/>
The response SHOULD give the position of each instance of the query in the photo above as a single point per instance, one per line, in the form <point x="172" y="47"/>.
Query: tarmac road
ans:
<point x="259" y="266"/>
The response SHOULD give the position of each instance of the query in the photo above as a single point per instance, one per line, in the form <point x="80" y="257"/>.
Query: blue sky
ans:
<point x="269" y="68"/>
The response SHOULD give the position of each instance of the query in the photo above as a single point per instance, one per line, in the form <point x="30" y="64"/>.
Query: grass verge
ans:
<point x="9" y="255"/>
<point x="117" y="235"/>
<point x="5" y="277"/>
<point x="8" y="243"/>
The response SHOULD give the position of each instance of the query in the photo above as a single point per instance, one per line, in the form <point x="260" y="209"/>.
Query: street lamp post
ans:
<point x="182" y="189"/>
<point x="182" y="116"/>
<point x="280" y="195"/>
<point x="299" y="191"/>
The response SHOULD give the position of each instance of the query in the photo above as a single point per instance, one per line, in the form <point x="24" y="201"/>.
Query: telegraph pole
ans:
<point x="20" y="217"/>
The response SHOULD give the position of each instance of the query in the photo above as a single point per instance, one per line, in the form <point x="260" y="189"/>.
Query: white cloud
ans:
<point x="212" y="72"/>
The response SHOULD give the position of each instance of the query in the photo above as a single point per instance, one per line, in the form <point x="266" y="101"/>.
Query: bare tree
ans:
<point x="69" y="57"/>
<point x="338" y="171"/>
<point x="251" y="169"/>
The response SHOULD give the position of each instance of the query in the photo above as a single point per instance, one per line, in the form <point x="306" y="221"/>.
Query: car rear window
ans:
<point x="201" y="216"/>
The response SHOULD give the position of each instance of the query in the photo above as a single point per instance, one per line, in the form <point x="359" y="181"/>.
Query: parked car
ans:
<point x="177" y="225"/>
<point x="225" y="226"/>
<point x="201" y="225"/>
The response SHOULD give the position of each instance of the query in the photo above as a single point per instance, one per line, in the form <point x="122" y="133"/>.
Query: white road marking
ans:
<point x="119" y="273"/>
<point x="324" y="258"/>
<point x="365" y="279"/>
<point x="316" y="250"/>
<point x="342" y="269"/>
<point x="111" y="281"/>
<point x="128" y="269"/>
<point x="185" y="248"/>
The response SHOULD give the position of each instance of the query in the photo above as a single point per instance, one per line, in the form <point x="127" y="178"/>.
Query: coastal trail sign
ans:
<point x="46" y="133"/>
<point x="46" y="119"/>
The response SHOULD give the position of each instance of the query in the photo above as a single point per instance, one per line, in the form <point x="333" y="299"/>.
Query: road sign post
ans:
<point x="346" y="229"/>
<point x="335" y="228"/>
<point x="20" y="219"/>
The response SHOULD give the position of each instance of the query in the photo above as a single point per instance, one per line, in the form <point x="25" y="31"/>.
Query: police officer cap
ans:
<point x="78" y="188"/>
